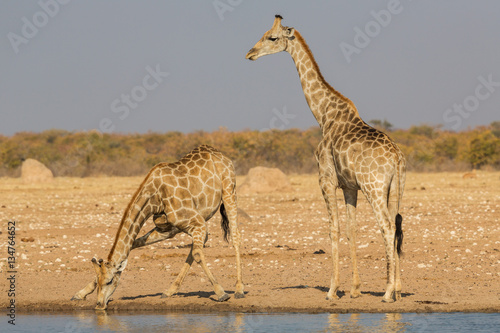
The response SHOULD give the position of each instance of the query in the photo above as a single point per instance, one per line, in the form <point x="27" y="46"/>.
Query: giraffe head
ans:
<point x="107" y="280"/>
<point x="274" y="40"/>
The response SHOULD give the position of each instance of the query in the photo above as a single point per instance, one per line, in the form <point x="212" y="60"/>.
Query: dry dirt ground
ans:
<point x="451" y="243"/>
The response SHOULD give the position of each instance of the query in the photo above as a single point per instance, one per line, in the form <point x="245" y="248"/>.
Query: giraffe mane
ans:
<point x="127" y="210"/>
<point x="302" y="41"/>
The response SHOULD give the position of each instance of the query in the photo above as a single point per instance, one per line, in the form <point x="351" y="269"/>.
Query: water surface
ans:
<point x="89" y="321"/>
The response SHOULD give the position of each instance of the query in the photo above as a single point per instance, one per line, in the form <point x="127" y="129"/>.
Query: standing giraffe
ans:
<point x="351" y="155"/>
<point x="181" y="197"/>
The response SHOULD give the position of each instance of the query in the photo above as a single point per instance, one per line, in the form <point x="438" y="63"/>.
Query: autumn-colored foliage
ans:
<point x="81" y="154"/>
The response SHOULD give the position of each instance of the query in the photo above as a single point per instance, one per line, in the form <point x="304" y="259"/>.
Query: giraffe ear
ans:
<point x="288" y="33"/>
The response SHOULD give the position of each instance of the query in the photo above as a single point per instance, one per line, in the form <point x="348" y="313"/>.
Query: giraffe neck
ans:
<point x="323" y="100"/>
<point x="138" y="211"/>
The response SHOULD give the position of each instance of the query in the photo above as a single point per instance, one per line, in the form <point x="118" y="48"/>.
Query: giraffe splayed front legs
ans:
<point x="351" y="155"/>
<point x="181" y="197"/>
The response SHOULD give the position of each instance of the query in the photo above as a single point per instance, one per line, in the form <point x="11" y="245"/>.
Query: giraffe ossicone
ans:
<point x="352" y="156"/>
<point x="181" y="197"/>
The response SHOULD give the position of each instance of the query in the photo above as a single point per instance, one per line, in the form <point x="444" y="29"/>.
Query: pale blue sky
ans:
<point x="71" y="66"/>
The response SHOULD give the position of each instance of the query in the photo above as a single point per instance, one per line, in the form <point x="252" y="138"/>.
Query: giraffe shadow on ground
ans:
<point x="205" y="294"/>
<point x="340" y="293"/>
<point x="129" y="298"/>
<point x="381" y="293"/>
<point x="200" y="294"/>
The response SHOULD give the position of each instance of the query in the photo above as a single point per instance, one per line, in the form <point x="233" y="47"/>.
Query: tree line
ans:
<point x="83" y="154"/>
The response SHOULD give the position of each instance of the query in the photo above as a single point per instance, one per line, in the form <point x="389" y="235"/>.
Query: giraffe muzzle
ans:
<point x="101" y="306"/>
<point x="251" y="55"/>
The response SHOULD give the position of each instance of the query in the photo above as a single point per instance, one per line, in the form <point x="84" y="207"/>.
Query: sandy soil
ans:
<point x="451" y="263"/>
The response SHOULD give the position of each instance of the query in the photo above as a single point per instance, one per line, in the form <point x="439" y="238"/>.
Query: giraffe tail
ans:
<point x="224" y="223"/>
<point x="398" y="239"/>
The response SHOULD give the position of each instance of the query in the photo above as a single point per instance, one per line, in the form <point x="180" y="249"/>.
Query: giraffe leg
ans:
<point x="398" y="287"/>
<point x="393" y="211"/>
<point x="328" y="188"/>
<point x="182" y="274"/>
<point x="229" y="199"/>
<point x="174" y="287"/>
<point x="82" y="294"/>
<point x="379" y="205"/>
<point x="351" y="198"/>
<point x="199" y="234"/>
<point x="155" y="235"/>
<point x="200" y="259"/>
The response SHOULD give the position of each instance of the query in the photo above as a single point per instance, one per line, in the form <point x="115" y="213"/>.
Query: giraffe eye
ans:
<point x="273" y="39"/>
<point x="110" y="281"/>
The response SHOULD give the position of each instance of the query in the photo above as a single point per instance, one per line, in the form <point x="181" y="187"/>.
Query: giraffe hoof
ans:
<point x="223" y="298"/>
<point x="77" y="298"/>
<point x="355" y="294"/>
<point x="332" y="298"/>
<point x="239" y="295"/>
<point x="398" y="295"/>
<point x="385" y="300"/>
<point x="163" y="295"/>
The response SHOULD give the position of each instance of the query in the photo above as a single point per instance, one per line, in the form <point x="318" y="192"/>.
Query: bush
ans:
<point x="483" y="149"/>
<point x="81" y="154"/>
